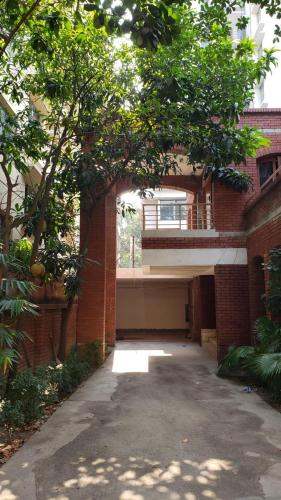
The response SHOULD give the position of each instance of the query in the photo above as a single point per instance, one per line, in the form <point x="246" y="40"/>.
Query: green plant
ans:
<point x="28" y="389"/>
<point x="261" y="362"/>
<point x="11" y="414"/>
<point x="14" y="301"/>
<point x="22" y="251"/>
<point x="55" y="256"/>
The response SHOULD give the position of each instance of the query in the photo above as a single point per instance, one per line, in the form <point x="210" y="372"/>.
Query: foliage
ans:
<point x="149" y="23"/>
<point x="14" y="301"/>
<point x="236" y="179"/>
<point x="21" y="250"/>
<point x="262" y="361"/>
<point x="134" y="105"/>
<point x="129" y="227"/>
<point x="30" y="391"/>
<point x="59" y="218"/>
<point x="58" y="258"/>
<point x="198" y="87"/>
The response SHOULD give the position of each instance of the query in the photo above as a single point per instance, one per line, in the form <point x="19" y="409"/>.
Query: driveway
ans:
<point x="153" y="423"/>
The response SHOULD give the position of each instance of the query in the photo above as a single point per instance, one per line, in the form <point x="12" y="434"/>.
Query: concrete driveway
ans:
<point x="153" y="423"/>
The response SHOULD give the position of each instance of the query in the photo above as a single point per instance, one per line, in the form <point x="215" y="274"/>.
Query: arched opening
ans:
<point x="257" y="289"/>
<point x="150" y="306"/>
<point x="269" y="169"/>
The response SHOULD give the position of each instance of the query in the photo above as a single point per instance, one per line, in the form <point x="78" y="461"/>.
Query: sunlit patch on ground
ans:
<point x="135" y="361"/>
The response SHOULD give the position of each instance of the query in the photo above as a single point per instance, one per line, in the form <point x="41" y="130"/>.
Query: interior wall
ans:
<point x="151" y="305"/>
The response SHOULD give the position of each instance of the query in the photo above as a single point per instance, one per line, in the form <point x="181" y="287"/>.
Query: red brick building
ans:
<point x="222" y="239"/>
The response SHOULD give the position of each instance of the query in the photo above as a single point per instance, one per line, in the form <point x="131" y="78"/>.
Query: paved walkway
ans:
<point x="153" y="423"/>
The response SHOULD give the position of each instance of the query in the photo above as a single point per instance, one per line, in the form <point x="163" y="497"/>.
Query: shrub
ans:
<point x="27" y="389"/>
<point x="12" y="414"/>
<point x="262" y="362"/>
<point x="30" y="391"/>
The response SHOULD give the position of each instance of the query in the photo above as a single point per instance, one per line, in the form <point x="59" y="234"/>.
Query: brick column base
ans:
<point x="232" y="306"/>
<point x="92" y="299"/>
<point x="110" y="318"/>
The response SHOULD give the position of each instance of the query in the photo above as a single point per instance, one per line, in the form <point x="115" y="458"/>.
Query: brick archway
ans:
<point x="97" y="300"/>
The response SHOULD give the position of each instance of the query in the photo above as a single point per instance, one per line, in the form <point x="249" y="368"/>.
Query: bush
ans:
<point x="260" y="363"/>
<point x="30" y="391"/>
<point x="12" y="414"/>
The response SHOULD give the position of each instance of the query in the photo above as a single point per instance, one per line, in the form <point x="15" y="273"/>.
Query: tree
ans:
<point x="198" y="86"/>
<point x="129" y="239"/>
<point x="126" y="116"/>
<point x="149" y="23"/>
<point x="114" y="113"/>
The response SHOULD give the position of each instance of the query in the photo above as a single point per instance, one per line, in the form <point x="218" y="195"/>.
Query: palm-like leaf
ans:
<point x="267" y="365"/>
<point x="9" y="336"/>
<point x="21" y="286"/>
<point x="8" y="357"/>
<point x="266" y="329"/>
<point x="12" y="263"/>
<point x="236" y="358"/>
<point x="17" y="306"/>
<point x="268" y="335"/>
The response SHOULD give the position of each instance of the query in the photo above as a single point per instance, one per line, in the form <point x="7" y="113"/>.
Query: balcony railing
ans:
<point x="272" y="178"/>
<point x="177" y="216"/>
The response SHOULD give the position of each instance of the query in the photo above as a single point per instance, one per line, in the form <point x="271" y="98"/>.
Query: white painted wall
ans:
<point x="151" y="305"/>
<point x="261" y="29"/>
<point x="205" y="257"/>
<point x="31" y="179"/>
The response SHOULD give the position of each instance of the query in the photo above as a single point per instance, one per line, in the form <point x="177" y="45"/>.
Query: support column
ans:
<point x="92" y="299"/>
<point x="232" y="306"/>
<point x="110" y="318"/>
<point x="202" y="306"/>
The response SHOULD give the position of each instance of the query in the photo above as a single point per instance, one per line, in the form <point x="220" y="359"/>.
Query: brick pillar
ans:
<point x="201" y="306"/>
<point x="232" y="306"/>
<point x="92" y="299"/>
<point x="208" y="306"/>
<point x="110" y="319"/>
<point x="195" y="309"/>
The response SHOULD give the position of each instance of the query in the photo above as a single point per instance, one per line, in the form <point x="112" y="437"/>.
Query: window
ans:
<point x="173" y="209"/>
<point x="267" y="167"/>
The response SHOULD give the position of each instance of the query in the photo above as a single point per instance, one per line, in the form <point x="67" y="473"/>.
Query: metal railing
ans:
<point x="177" y="216"/>
<point x="272" y="178"/>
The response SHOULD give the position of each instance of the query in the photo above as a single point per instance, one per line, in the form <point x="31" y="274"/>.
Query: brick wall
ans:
<point x="110" y="308"/>
<point x="217" y="242"/>
<point x="264" y="226"/>
<point x="92" y="299"/>
<point x="44" y="333"/>
<point x="232" y="306"/>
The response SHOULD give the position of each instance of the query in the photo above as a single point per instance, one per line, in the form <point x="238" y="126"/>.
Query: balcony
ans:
<point x="177" y="216"/>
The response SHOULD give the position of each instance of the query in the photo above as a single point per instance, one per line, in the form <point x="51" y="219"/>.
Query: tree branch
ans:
<point x="19" y="24"/>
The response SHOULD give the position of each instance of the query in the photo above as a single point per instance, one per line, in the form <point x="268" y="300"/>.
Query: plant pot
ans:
<point x="38" y="295"/>
<point x="58" y="291"/>
<point x="55" y="291"/>
<point x="49" y="292"/>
